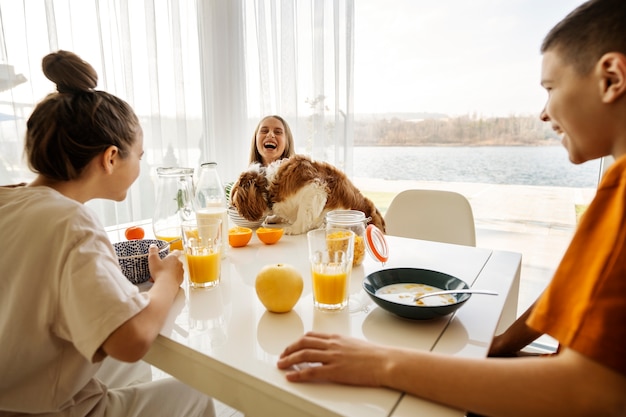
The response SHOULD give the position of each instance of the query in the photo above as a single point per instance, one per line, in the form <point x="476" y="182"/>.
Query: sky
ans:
<point x="455" y="57"/>
<point x="452" y="56"/>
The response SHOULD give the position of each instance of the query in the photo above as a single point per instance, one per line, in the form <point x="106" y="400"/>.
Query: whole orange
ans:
<point x="269" y="235"/>
<point x="134" y="233"/>
<point x="239" y="236"/>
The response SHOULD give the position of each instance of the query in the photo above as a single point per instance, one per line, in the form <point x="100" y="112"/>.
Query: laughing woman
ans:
<point x="272" y="140"/>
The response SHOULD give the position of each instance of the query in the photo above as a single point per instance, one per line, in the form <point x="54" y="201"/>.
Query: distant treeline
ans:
<point x="464" y="130"/>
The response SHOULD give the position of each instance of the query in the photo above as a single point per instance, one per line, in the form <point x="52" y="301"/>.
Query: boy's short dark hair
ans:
<point x="590" y="31"/>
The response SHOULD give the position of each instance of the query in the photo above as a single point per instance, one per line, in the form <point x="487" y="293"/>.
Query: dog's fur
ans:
<point x="299" y="191"/>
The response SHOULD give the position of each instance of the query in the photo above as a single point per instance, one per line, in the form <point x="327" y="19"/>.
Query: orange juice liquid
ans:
<point x="330" y="288"/>
<point x="176" y="245"/>
<point x="204" y="270"/>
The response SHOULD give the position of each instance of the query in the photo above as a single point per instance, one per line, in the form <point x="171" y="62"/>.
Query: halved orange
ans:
<point x="269" y="235"/>
<point x="239" y="236"/>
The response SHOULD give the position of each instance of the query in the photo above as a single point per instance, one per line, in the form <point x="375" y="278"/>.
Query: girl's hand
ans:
<point x="169" y="267"/>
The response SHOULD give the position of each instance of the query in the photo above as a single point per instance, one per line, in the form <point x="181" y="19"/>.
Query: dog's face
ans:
<point x="249" y="195"/>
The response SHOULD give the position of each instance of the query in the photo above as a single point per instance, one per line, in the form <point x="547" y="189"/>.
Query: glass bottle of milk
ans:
<point x="210" y="199"/>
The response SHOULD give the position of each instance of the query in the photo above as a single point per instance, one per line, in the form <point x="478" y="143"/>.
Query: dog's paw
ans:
<point x="290" y="230"/>
<point x="274" y="219"/>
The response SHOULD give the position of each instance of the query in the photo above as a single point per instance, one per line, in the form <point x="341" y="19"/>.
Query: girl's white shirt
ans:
<point x="62" y="293"/>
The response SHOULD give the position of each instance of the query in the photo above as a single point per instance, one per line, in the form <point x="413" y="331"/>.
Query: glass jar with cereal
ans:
<point x="352" y="220"/>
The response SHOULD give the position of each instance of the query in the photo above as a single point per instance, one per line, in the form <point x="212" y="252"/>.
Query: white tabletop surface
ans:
<point x="223" y="342"/>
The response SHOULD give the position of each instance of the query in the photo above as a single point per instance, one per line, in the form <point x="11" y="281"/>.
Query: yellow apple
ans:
<point x="279" y="287"/>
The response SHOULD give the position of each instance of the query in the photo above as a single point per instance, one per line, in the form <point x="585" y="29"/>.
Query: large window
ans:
<point x="448" y="96"/>
<point x="430" y="94"/>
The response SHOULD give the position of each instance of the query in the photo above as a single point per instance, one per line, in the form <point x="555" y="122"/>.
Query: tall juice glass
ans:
<point x="201" y="242"/>
<point x="331" y="252"/>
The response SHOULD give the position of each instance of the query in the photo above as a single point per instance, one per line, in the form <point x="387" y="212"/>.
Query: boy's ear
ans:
<point x="612" y="67"/>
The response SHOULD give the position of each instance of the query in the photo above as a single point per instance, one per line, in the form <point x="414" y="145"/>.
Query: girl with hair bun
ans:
<point x="64" y="303"/>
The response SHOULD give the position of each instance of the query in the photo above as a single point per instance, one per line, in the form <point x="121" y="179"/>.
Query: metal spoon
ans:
<point x="460" y="291"/>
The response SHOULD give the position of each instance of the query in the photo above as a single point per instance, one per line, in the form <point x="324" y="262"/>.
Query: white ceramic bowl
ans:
<point x="242" y="221"/>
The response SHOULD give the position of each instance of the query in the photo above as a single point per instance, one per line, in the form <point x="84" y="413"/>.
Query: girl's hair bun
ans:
<point x="69" y="72"/>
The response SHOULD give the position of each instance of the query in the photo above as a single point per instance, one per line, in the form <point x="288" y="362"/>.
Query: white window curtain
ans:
<point x="199" y="74"/>
<point x="292" y="58"/>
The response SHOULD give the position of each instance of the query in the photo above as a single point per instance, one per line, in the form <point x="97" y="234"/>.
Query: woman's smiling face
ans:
<point x="270" y="140"/>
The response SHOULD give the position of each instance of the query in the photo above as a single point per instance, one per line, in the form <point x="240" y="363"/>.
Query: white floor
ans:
<point x="222" y="410"/>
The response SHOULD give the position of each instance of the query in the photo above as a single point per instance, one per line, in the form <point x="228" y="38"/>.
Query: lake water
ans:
<point x="519" y="165"/>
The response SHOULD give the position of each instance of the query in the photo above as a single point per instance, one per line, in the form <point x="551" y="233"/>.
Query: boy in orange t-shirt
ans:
<point x="584" y="307"/>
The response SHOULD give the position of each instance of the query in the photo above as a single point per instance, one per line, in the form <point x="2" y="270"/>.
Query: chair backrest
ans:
<point x="437" y="215"/>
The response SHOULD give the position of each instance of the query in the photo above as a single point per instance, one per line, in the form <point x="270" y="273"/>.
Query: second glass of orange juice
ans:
<point x="331" y="252"/>
<point x="202" y="245"/>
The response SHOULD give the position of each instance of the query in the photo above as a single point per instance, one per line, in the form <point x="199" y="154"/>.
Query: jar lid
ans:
<point x="376" y="244"/>
<point x="346" y="217"/>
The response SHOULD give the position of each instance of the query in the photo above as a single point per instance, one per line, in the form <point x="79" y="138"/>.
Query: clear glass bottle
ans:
<point x="210" y="198"/>
<point x="352" y="220"/>
<point x="174" y="203"/>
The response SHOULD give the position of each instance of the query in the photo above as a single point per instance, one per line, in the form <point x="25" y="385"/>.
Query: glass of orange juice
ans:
<point x="330" y="253"/>
<point x="202" y="240"/>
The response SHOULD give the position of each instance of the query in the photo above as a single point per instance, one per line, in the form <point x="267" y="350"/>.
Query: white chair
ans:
<point x="437" y="215"/>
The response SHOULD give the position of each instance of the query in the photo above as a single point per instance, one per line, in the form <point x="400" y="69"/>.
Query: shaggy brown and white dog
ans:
<point x="299" y="191"/>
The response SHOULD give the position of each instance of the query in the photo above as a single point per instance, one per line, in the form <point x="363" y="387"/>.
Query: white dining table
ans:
<point x="224" y="343"/>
